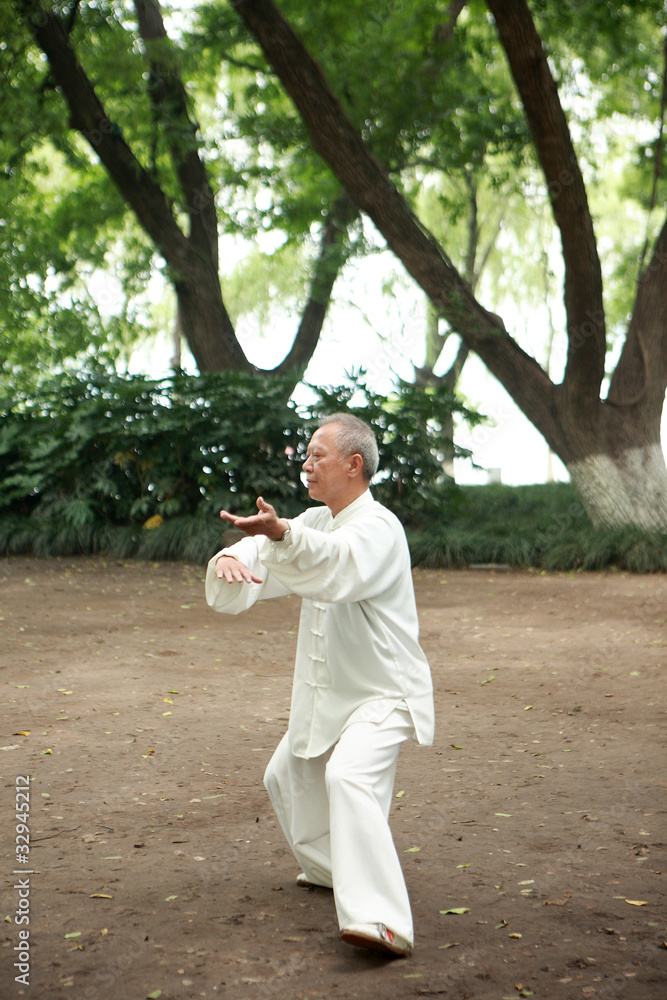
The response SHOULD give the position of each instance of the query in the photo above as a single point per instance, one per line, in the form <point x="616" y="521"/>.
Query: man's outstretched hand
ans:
<point x="266" y="522"/>
<point x="234" y="571"/>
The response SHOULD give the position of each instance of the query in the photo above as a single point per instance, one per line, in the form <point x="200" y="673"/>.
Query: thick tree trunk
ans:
<point x="625" y="489"/>
<point x="202" y="313"/>
<point x="615" y="439"/>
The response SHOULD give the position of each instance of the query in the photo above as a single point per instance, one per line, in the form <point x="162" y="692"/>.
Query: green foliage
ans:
<point x="409" y="429"/>
<point x="122" y="450"/>
<point x="136" y="466"/>
<point x="435" y="105"/>
<point x="543" y="527"/>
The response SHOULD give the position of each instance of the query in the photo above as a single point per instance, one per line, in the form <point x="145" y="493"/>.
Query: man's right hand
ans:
<point x="234" y="571"/>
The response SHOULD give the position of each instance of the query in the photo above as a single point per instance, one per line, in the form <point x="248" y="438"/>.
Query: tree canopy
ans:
<point x="173" y="126"/>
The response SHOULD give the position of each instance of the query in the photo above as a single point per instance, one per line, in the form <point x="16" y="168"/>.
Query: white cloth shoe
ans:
<point x="377" y="937"/>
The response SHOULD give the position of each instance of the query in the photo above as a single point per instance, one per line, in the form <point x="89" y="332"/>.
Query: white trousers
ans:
<point x="334" y="811"/>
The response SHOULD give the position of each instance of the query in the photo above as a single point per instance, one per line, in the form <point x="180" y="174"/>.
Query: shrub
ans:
<point x="89" y="463"/>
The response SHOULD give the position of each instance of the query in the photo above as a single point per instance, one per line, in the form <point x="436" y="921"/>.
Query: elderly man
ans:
<point x="361" y="682"/>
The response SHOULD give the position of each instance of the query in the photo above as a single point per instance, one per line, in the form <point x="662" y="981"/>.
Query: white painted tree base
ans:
<point x="628" y="490"/>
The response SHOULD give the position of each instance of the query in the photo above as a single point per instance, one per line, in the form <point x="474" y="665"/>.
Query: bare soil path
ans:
<point x="144" y="722"/>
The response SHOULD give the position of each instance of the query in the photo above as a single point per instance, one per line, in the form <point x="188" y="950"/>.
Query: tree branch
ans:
<point x="657" y="158"/>
<point x="330" y="261"/>
<point x="169" y="99"/>
<point x="88" y="116"/>
<point x="193" y="261"/>
<point x="553" y="143"/>
<point x="445" y="31"/>
<point x="641" y="372"/>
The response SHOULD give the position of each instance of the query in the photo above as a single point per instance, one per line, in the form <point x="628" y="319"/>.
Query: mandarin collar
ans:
<point x="348" y="512"/>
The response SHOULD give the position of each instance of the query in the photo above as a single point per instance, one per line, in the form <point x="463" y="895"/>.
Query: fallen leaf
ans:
<point x="637" y="902"/>
<point x="464" y="866"/>
<point x="457" y="910"/>
<point x="450" y="944"/>
<point x="22" y="732"/>
<point x="72" y="934"/>
<point x="100" y="895"/>
<point x="515" y="935"/>
<point x="412" y="850"/>
<point x="168" y="899"/>
<point x="506" y="815"/>
<point x="399" y="795"/>
<point x="156" y="993"/>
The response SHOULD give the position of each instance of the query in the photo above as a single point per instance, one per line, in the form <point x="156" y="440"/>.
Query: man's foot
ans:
<point x="377" y="937"/>
<point x="304" y="882"/>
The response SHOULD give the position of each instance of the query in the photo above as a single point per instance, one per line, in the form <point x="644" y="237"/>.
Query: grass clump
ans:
<point x="542" y="526"/>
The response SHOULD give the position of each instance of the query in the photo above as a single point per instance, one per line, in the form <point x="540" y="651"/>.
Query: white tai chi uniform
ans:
<point x="362" y="686"/>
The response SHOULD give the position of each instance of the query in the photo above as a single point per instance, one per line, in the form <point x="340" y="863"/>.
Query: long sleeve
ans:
<point x="343" y="565"/>
<point x="233" y="598"/>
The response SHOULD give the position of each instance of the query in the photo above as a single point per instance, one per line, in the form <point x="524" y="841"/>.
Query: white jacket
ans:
<point x="358" y="653"/>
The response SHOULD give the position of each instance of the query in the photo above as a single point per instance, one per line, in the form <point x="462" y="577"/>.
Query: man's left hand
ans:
<point x="266" y="522"/>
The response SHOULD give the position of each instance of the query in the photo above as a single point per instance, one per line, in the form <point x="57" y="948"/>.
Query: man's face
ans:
<point x="326" y="469"/>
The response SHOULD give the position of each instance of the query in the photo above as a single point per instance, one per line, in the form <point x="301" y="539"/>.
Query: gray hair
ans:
<point x="355" y="437"/>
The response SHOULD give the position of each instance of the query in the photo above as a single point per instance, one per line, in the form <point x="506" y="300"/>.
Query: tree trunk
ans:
<point x="203" y="319"/>
<point x="627" y="489"/>
<point x="604" y="444"/>
<point x="192" y="259"/>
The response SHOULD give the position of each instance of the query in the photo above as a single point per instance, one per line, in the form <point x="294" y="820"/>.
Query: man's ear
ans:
<point x="356" y="464"/>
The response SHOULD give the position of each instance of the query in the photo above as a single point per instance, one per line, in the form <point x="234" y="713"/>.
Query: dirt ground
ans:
<point x="144" y="722"/>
